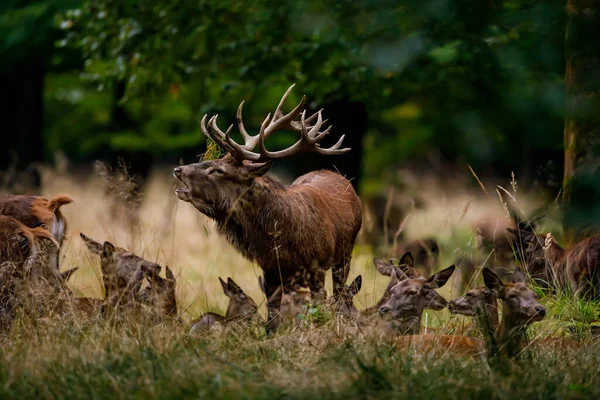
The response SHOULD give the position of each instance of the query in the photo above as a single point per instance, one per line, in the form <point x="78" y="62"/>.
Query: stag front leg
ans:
<point x="273" y="291"/>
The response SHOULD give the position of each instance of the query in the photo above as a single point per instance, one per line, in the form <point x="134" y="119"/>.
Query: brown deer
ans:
<point x="345" y="305"/>
<point x="294" y="233"/>
<point x="160" y="293"/>
<point x="241" y="308"/>
<point x="520" y="309"/>
<point x="39" y="212"/>
<point x="482" y="304"/>
<point x="20" y="271"/>
<point x="405" y="265"/>
<point x="410" y="296"/>
<point x="575" y="268"/>
<point x="123" y="273"/>
<point x="293" y="302"/>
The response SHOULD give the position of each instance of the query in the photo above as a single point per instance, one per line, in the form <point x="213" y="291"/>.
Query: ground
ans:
<point x="324" y="357"/>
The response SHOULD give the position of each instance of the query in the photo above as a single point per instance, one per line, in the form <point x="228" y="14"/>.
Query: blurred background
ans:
<point x="438" y="99"/>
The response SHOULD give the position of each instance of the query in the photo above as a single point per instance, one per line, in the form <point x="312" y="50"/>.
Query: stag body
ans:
<point x="294" y="233"/>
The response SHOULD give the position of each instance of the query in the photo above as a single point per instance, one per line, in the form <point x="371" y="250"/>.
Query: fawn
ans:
<point x="241" y="308"/>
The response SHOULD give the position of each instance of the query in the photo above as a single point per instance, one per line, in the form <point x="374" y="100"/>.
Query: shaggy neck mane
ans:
<point x="250" y="222"/>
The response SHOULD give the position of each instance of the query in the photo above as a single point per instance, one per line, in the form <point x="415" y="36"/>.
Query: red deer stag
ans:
<point x="294" y="233"/>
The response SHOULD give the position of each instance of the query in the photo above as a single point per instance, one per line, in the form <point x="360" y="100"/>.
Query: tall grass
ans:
<point x="73" y="357"/>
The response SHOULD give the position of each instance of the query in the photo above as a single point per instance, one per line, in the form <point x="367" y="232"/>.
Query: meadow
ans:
<point x="325" y="356"/>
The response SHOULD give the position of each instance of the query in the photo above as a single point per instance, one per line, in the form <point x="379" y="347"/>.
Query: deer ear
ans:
<point x="407" y="259"/>
<point x="491" y="280"/>
<point x="518" y="276"/>
<point x="67" y="274"/>
<point x="383" y="267"/>
<point x="91" y="244"/>
<point x="108" y="249"/>
<point x="399" y="275"/>
<point x="356" y="285"/>
<point x="235" y="289"/>
<point x="225" y="288"/>
<point x="169" y="274"/>
<point x="439" y="279"/>
<point x="254" y="170"/>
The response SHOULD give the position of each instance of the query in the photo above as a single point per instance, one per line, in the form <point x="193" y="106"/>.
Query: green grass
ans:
<point x="324" y="357"/>
<point x="75" y="360"/>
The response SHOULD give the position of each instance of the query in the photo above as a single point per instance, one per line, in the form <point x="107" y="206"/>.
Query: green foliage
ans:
<point x="480" y="84"/>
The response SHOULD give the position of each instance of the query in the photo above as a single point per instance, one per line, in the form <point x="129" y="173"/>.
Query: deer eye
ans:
<point x="512" y="296"/>
<point x="469" y="295"/>
<point x="217" y="171"/>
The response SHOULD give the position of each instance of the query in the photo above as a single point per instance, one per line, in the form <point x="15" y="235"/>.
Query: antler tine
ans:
<point x="310" y="134"/>
<point x="249" y="141"/>
<point x="214" y="133"/>
<point x="333" y="150"/>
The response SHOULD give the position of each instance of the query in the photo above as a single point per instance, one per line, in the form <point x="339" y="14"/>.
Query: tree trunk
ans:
<point x="581" y="183"/>
<point x="21" y="113"/>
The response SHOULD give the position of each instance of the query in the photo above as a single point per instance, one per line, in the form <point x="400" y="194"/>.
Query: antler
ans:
<point x="310" y="135"/>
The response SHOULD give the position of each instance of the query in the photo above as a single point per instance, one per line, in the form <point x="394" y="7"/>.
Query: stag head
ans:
<point x="213" y="186"/>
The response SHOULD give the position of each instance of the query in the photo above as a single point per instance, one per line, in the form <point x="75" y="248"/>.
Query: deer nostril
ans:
<point x="177" y="171"/>
<point x="540" y="310"/>
<point x="383" y="310"/>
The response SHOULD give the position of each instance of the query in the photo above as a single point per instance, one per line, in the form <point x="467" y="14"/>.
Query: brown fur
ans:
<point x="520" y="309"/>
<point x="123" y="273"/>
<point x="294" y="233"/>
<point x="293" y="302"/>
<point x="406" y="265"/>
<point x="481" y="303"/>
<point x="160" y="293"/>
<point x="410" y="296"/>
<point x="241" y="307"/>
<point x="37" y="211"/>
<point x="575" y="268"/>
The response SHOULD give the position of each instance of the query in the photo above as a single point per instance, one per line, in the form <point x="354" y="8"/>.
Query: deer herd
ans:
<point x="295" y="234"/>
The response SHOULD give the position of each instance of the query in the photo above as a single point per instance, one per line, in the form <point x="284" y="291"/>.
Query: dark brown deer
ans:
<point x="123" y="273"/>
<point x="294" y="233"/>
<point x="410" y="296"/>
<point x="574" y="269"/>
<point x="241" y="308"/>
<point x="482" y="304"/>
<point x="160" y="293"/>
